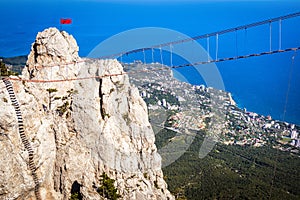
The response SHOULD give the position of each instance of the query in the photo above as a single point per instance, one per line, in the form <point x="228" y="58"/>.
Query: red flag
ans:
<point x="66" y="21"/>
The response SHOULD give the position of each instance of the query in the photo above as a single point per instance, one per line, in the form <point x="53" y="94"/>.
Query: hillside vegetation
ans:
<point x="233" y="172"/>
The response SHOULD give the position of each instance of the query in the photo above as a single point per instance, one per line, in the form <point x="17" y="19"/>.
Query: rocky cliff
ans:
<point x="57" y="138"/>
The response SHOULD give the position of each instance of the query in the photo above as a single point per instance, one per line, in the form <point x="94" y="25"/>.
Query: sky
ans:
<point x="97" y="20"/>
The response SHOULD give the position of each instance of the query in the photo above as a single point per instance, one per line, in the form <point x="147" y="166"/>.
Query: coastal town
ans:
<point x="188" y="109"/>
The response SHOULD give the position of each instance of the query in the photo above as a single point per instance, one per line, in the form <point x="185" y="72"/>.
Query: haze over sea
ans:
<point x="259" y="84"/>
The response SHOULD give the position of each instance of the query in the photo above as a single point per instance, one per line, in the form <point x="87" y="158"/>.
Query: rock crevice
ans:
<point x="102" y="112"/>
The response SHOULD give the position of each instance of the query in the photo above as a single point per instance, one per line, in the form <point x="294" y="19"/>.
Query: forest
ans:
<point x="232" y="172"/>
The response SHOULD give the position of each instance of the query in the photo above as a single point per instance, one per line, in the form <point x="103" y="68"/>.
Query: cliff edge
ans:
<point x="57" y="138"/>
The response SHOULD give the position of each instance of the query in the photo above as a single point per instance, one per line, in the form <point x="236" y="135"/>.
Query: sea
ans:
<point x="268" y="85"/>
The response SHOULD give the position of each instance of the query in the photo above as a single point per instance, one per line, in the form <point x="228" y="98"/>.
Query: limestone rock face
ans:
<point x="77" y="129"/>
<point x="52" y="47"/>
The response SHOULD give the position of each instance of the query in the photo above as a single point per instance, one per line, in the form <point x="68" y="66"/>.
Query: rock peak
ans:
<point x="52" y="47"/>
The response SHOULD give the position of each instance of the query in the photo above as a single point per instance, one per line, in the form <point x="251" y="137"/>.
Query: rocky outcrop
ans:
<point x="77" y="129"/>
<point x="51" y="48"/>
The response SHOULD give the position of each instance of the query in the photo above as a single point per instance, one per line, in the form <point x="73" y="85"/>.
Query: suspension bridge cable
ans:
<point x="207" y="43"/>
<point x="152" y="51"/>
<point x="280" y="18"/>
<point x="270" y="37"/>
<point x="238" y="57"/>
<point x="245" y="42"/>
<point x="280" y="34"/>
<point x="144" y="56"/>
<point x="236" y="44"/>
<point x="162" y="68"/>
<point x="161" y="57"/>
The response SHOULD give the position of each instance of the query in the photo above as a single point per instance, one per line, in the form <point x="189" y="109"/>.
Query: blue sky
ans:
<point x="96" y="20"/>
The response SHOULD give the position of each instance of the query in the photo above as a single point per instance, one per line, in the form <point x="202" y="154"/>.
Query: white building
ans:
<point x="298" y="143"/>
<point x="159" y="103"/>
<point x="164" y="103"/>
<point x="294" y="135"/>
<point x="143" y="94"/>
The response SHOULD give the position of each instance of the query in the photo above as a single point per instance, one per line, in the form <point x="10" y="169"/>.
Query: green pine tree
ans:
<point x="4" y="71"/>
<point x="107" y="188"/>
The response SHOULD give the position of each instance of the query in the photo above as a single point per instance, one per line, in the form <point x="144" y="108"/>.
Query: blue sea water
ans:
<point x="260" y="84"/>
